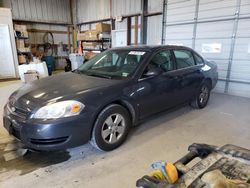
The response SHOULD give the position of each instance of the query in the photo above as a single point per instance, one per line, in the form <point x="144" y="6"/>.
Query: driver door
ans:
<point x="158" y="92"/>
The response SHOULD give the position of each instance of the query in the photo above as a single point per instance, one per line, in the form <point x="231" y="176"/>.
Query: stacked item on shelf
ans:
<point x="98" y="39"/>
<point x="34" y="70"/>
<point x="21" y="35"/>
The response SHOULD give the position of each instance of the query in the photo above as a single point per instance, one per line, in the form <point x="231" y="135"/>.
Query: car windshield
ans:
<point x="117" y="64"/>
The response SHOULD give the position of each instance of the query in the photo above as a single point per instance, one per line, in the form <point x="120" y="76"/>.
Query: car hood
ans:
<point x="64" y="86"/>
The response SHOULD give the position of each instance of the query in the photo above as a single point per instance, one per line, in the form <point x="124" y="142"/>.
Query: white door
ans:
<point x="119" y="38"/>
<point x="7" y="67"/>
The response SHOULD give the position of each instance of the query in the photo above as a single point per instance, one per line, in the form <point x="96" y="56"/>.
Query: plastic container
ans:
<point x="41" y="68"/>
<point x="50" y="61"/>
<point x="76" y="60"/>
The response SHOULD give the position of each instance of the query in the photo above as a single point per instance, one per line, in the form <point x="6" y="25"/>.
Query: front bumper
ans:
<point x="49" y="135"/>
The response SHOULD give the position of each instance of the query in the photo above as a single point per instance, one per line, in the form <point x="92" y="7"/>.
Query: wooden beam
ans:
<point x="94" y="21"/>
<point x="69" y="45"/>
<point x="71" y="11"/>
<point x="112" y="24"/>
<point x="136" y="30"/>
<point x="144" y="21"/>
<point x="40" y="22"/>
<point x="45" y="31"/>
<point x="107" y="19"/>
<point x="134" y="26"/>
<point x="8" y="79"/>
<point x="129" y="31"/>
<point x="153" y="14"/>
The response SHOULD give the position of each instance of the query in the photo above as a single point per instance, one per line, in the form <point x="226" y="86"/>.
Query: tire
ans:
<point x="202" y="96"/>
<point x="111" y="128"/>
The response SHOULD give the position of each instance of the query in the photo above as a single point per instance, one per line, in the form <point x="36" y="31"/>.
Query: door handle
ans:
<point x="198" y="70"/>
<point x="178" y="77"/>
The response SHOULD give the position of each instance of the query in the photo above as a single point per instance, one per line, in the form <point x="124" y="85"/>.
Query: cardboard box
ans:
<point x="90" y="45"/>
<point x="90" y="55"/>
<point x="21" y="59"/>
<point x="92" y="35"/>
<point x="21" y="28"/>
<point x="102" y="27"/>
<point x="23" y="49"/>
<point x="20" y="44"/>
<point x="88" y="35"/>
<point x="25" y="34"/>
<point x="30" y="76"/>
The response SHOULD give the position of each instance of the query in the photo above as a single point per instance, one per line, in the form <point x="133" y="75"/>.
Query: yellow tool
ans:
<point x="164" y="171"/>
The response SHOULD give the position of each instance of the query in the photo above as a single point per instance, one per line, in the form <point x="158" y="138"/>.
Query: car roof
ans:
<point x="150" y="47"/>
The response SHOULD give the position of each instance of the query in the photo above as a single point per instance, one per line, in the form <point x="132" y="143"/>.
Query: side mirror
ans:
<point x="153" y="72"/>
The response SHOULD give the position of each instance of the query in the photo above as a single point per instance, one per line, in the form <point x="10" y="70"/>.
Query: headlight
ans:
<point x="59" y="110"/>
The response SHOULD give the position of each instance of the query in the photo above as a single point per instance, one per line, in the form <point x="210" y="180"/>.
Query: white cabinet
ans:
<point x="8" y="54"/>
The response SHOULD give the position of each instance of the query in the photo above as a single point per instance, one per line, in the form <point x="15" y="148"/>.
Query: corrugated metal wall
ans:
<point x="154" y="5"/>
<point x="125" y="7"/>
<point x="48" y="11"/>
<point x="57" y="11"/>
<point x="100" y="9"/>
<point x="196" y="23"/>
<point x="92" y="10"/>
<point x="154" y="30"/>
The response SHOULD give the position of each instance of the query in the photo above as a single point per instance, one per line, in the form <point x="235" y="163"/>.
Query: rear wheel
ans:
<point x="202" y="96"/>
<point x="111" y="128"/>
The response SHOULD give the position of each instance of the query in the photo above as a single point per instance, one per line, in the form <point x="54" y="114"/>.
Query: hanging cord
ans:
<point x="48" y="43"/>
<point x="48" y="40"/>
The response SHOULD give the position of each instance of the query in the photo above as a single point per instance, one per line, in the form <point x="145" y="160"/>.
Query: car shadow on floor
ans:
<point x="14" y="158"/>
<point x="160" y="118"/>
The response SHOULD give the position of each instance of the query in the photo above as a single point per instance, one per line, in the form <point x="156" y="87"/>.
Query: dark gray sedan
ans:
<point x="105" y="97"/>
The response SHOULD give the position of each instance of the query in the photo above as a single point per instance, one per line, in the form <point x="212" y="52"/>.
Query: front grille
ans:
<point x="18" y="111"/>
<point x="49" y="141"/>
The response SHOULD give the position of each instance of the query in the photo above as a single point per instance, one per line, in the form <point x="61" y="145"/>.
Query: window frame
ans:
<point x="153" y="55"/>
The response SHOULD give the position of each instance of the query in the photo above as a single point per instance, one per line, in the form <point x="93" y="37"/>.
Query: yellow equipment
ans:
<point x="164" y="171"/>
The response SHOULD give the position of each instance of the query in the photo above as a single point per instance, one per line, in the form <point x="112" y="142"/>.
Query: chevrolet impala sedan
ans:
<point x="100" y="101"/>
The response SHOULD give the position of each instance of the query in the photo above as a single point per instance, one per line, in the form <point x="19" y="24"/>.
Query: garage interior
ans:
<point x="39" y="39"/>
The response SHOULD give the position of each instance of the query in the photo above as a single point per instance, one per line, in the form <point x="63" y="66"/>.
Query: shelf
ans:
<point x="100" y="41"/>
<point x="23" y="52"/>
<point x="19" y="38"/>
<point x="90" y="49"/>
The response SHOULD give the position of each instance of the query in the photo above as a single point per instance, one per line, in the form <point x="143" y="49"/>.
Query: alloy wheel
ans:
<point x="113" y="128"/>
<point x="204" y="94"/>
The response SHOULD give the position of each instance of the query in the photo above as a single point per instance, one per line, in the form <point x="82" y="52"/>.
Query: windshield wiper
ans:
<point x="100" y="75"/>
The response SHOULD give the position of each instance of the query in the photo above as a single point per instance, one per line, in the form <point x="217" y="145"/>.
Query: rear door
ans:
<point x="188" y="73"/>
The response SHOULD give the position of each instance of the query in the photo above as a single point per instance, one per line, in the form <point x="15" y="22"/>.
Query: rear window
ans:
<point x="198" y="59"/>
<point x="184" y="58"/>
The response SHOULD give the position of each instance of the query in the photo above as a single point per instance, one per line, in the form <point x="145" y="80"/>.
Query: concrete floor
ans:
<point x="163" y="137"/>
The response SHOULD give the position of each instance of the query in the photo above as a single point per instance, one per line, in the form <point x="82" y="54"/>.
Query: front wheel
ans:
<point x="111" y="128"/>
<point x="202" y="97"/>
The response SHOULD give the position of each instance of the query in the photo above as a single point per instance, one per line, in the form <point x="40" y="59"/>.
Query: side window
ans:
<point x="131" y="60"/>
<point x="162" y="60"/>
<point x="198" y="59"/>
<point x="184" y="58"/>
